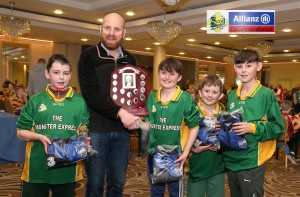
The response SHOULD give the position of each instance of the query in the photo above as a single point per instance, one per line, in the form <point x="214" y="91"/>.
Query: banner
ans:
<point x="240" y="22"/>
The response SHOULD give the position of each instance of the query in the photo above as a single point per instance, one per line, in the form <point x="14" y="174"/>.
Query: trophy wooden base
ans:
<point x="138" y="111"/>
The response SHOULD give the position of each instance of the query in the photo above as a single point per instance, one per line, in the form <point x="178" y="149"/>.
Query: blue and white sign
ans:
<point x="240" y="21"/>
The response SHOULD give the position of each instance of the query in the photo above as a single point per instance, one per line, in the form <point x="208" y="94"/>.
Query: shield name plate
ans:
<point x="129" y="89"/>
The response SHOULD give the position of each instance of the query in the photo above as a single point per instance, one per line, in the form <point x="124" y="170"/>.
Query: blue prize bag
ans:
<point x="228" y="138"/>
<point x="164" y="168"/>
<point x="207" y="132"/>
<point x="65" y="151"/>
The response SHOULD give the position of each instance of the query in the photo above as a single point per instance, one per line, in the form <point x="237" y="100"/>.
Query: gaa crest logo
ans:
<point x="217" y="22"/>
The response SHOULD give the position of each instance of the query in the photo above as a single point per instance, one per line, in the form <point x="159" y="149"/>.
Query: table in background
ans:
<point x="12" y="149"/>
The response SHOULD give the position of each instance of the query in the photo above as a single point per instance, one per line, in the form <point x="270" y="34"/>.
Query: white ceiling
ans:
<point x="80" y="20"/>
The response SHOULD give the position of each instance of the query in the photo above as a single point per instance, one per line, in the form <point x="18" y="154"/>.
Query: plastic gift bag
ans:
<point x="228" y="138"/>
<point x="207" y="132"/>
<point x="64" y="151"/>
<point x="164" y="168"/>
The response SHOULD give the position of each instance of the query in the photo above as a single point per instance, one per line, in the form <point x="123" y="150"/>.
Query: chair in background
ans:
<point x="281" y="142"/>
<point x="8" y="106"/>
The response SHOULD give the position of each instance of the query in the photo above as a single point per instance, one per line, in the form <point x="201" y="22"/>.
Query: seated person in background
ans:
<point x="18" y="100"/>
<point x="9" y="91"/>
<point x="292" y="131"/>
<point x="279" y="92"/>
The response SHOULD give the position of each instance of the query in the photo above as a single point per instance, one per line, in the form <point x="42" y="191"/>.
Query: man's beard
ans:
<point x="111" y="46"/>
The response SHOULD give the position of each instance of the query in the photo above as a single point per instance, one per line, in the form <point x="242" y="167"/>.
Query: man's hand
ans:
<point x="129" y="120"/>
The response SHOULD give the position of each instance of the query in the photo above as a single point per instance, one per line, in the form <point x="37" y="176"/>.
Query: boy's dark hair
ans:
<point x="286" y="105"/>
<point x="246" y="56"/>
<point x="57" y="58"/>
<point x="171" y="64"/>
<point x="212" y="80"/>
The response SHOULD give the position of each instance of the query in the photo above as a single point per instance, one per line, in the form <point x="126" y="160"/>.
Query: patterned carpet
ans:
<point x="279" y="181"/>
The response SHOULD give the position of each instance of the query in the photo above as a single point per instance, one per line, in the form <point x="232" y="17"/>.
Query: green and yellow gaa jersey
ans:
<point x="46" y="115"/>
<point x="207" y="163"/>
<point x="166" y="119"/>
<point x="262" y="110"/>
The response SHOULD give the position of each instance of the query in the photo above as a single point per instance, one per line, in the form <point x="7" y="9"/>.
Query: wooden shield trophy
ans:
<point x="129" y="89"/>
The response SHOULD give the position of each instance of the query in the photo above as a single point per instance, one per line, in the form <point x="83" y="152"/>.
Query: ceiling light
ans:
<point x="294" y="60"/>
<point x="171" y="2"/>
<point x="128" y="39"/>
<point x="100" y="20"/>
<point x="233" y="35"/>
<point x="38" y="40"/>
<point x="84" y="39"/>
<point x="286" y="30"/>
<point x="208" y="57"/>
<point x="12" y="27"/>
<point x="181" y="53"/>
<point x="204" y="28"/>
<point x="129" y="13"/>
<point x="286" y="51"/>
<point x="265" y="61"/>
<point x="164" y="31"/>
<point x="156" y="43"/>
<point x="148" y="48"/>
<point x="191" y="40"/>
<point x="217" y="43"/>
<point x="58" y="12"/>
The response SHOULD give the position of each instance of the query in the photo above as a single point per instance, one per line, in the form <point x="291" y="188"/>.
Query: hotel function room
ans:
<point x="204" y="35"/>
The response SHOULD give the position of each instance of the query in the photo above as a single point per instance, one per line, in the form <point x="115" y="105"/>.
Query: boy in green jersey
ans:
<point x="56" y="112"/>
<point x="262" y="124"/>
<point x="169" y="108"/>
<point x="206" y="174"/>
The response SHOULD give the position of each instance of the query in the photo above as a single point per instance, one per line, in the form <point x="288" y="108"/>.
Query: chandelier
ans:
<point x="12" y="27"/>
<point x="261" y="48"/>
<point x="171" y="2"/>
<point x="164" y="31"/>
<point x="229" y="59"/>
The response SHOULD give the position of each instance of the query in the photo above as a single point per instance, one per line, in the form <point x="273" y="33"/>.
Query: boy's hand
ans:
<point x="45" y="141"/>
<point x="218" y="126"/>
<point x="213" y="148"/>
<point x="181" y="159"/>
<point x="197" y="148"/>
<point x="241" y="128"/>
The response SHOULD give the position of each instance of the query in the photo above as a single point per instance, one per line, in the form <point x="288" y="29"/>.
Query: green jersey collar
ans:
<point x="251" y="93"/>
<point x="175" y="97"/>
